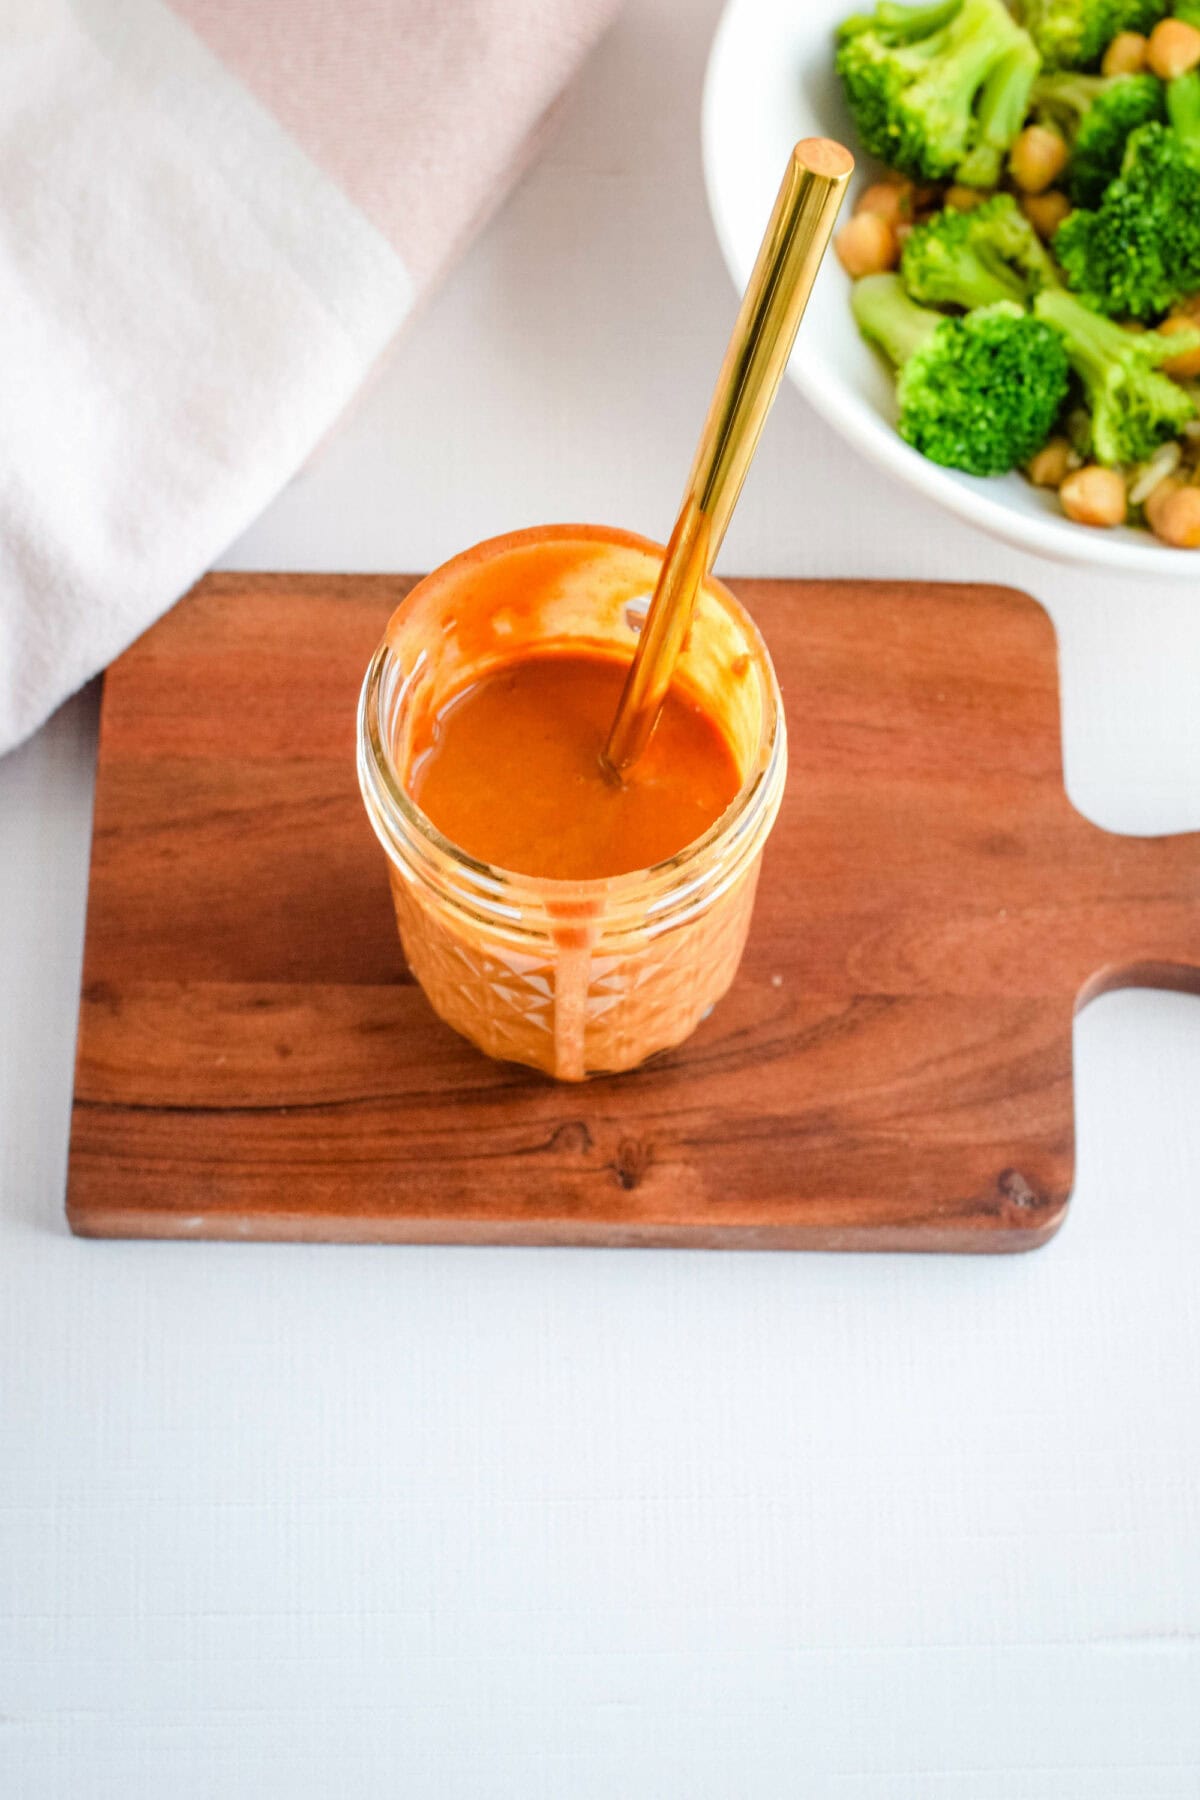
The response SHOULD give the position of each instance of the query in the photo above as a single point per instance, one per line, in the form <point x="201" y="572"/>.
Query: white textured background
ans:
<point x="280" y="1523"/>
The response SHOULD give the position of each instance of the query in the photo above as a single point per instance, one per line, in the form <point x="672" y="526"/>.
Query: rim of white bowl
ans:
<point x="850" y="415"/>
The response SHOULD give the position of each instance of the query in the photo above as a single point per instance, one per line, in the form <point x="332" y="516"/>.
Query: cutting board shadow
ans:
<point x="892" y="1069"/>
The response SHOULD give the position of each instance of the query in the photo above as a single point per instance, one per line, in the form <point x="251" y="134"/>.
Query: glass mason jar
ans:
<point x="575" y="978"/>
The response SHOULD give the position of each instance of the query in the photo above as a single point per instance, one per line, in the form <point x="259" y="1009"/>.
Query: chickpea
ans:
<point x="1093" y="496"/>
<point x="1126" y="55"/>
<point x="1052" y="464"/>
<point x="890" y="200"/>
<point x="964" y="199"/>
<point x="866" y="245"/>
<point x="1154" y="502"/>
<point x="1173" y="49"/>
<point x="1045" y="212"/>
<point x="1176" y="518"/>
<point x="1187" y="363"/>
<point x="1037" y="157"/>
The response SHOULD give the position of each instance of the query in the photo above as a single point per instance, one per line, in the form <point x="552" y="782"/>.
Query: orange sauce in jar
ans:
<point x="509" y="769"/>
<point x="551" y="915"/>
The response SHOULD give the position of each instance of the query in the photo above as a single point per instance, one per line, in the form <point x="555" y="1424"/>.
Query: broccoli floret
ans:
<point x="902" y="24"/>
<point x="1133" y="406"/>
<point x="1139" y="251"/>
<point x="976" y="258"/>
<point x="978" y="393"/>
<point x="1003" y="104"/>
<point x="939" y="91"/>
<point x="1073" y="34"/>
<point x="1095" y="114"/>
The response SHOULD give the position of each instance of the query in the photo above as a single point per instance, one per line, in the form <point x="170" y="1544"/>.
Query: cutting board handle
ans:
<point x="1145" y="924"/>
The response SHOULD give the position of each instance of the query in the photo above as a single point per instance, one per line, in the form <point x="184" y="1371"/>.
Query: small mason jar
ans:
<point x="575" y="978"/>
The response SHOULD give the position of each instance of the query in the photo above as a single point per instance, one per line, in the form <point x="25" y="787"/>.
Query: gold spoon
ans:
<point x="767" y="321"/>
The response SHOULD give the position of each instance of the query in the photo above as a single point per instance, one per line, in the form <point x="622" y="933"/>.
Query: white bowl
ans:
<point x="771" y="81"/>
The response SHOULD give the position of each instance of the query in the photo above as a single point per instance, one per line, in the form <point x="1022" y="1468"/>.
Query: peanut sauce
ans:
<point x="510" y="771"/>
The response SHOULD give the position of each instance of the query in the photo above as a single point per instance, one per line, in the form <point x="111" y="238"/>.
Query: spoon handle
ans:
<point x="757" y="354"/>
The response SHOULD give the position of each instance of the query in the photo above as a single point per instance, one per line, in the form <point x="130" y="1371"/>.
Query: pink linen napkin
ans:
<point x="214" y="215"/>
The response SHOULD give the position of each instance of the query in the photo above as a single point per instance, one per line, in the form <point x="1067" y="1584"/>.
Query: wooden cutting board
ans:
<point x="892" y="1069"/>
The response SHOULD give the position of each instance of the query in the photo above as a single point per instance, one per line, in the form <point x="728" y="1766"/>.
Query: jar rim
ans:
<point x="406" y="827"/>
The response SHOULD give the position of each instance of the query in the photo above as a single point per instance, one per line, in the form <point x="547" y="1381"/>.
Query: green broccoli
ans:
<point x="939" y="91"/>
<point x="1139" y="251"/>
<point x="1073" y="34"/>
<point x="901" y="23"/>
<point x="1133" y="406"/>
<point x="975" y="258"/>
<point x="978" y="393"/>
<point x="1095" y="114"/>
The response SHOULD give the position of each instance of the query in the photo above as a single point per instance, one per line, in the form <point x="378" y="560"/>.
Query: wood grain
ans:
<point x="892" y="1069"/>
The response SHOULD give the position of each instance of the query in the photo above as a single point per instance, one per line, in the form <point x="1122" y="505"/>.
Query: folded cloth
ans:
<point x="214" y="215"/>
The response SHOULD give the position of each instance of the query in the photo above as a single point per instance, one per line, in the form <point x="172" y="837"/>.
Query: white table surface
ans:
<point x="278" y="1523"/>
